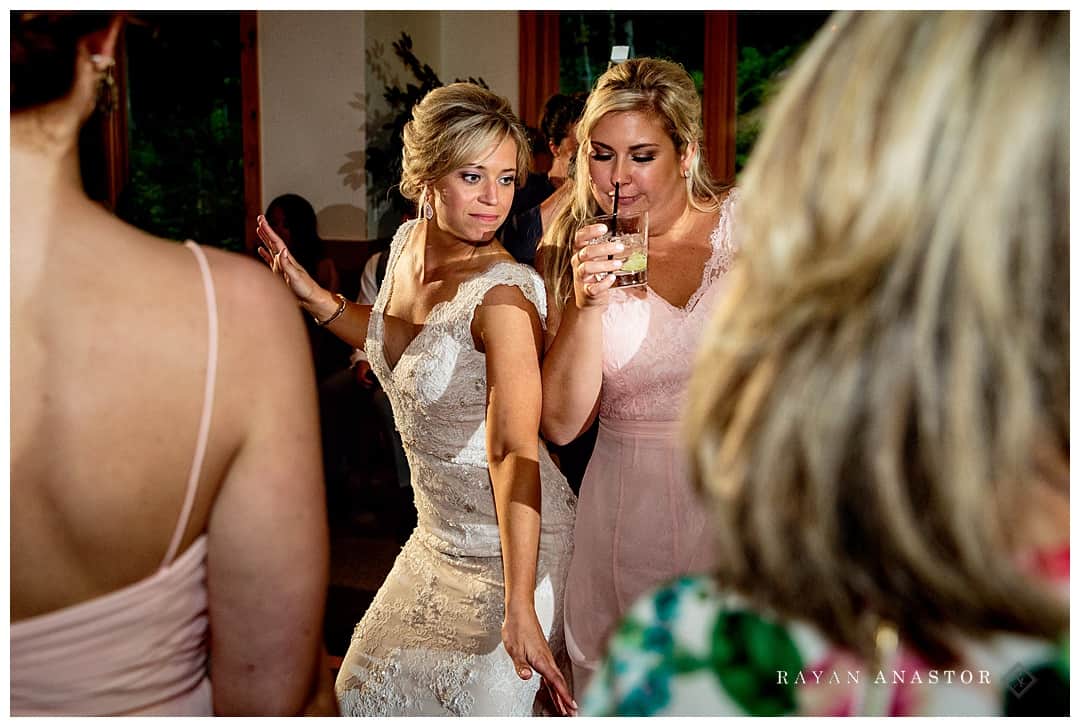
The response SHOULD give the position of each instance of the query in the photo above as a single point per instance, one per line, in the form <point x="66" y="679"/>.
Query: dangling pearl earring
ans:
<point x="686" y="173"/>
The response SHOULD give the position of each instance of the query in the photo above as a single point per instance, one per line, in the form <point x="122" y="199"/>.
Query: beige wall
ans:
<point x="322" y="76"/>
<point x="482" y="44"/>
<point x="311" y="78"/>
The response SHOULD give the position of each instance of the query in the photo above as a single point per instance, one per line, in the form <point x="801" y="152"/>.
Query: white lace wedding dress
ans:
<point x="430" y="643"/>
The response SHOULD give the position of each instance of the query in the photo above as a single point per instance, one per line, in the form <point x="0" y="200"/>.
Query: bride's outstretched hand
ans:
<point x="525" y="643"/>
<point x="276" y="255"/>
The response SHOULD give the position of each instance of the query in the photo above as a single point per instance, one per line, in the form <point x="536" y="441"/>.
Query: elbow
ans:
<point x="500" y="453"/>
<point x="559" y="433"/>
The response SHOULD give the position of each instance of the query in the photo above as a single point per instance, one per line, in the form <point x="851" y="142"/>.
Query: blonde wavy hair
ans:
<point x="453" y="126"/>
<point x="653" y="86"/>
<point x="877" y="398"/>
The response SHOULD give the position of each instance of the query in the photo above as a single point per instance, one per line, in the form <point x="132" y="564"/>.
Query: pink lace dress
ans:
<point x="639" y="523"/>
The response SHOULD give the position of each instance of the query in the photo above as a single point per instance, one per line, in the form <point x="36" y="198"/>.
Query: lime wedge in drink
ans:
<point x="634" y="264"/>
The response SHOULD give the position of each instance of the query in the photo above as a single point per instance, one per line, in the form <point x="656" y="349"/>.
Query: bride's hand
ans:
<point x="525" y="643"/>
<point x="276" y="255"/>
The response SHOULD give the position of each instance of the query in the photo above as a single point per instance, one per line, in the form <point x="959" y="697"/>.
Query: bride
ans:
<point x="471" y="613"/>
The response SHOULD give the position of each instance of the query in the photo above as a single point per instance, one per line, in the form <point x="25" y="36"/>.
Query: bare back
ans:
<point x="109" y="366"/>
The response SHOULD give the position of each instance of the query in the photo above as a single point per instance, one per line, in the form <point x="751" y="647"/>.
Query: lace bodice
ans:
<point x="650" y="345"/>
<point x="438" y="390"/>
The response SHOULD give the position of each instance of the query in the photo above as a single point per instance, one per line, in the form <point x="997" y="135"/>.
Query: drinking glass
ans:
<point x="632" y="230"/>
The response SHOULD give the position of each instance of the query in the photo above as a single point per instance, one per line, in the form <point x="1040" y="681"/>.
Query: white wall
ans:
<point x="322" y="76"/>
<point x="311" y="68"/>
<point x="456" y="44"/>
<point x="481" y="44"/>
<point x="384" y="67"/>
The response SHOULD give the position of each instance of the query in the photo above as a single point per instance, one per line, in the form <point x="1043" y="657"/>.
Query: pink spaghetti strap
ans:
<point x="208" y="403"/>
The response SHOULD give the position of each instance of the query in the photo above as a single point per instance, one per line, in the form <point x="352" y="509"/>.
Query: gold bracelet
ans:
<point x="337" y="314"/>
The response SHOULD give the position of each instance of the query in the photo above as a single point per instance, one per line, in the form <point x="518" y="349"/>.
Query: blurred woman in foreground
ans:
<point x="168" y="553"/>
<point x="880" y="411"/>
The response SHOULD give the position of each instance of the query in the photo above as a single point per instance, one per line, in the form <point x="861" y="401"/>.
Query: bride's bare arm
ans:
<point x="507" y="327"/>
<point x="346" y="320"/>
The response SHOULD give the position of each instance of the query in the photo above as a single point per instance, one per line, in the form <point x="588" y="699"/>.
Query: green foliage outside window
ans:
<point x="769" y="43"/>
<point x="586" y="38"/>
<point x="185" y="128"/>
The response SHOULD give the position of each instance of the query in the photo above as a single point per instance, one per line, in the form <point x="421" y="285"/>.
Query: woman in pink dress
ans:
<point x="168" y="532"/>
<point x="625" y="354"/>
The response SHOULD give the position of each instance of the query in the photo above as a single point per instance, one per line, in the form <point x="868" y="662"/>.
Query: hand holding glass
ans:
<point x="633" y="232"/>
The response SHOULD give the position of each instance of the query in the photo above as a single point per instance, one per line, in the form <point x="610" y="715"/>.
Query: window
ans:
<point x="737" y="60"/>
<point x="171" y="159"/>
<point x="586" y="39"/>
<point x="680" y="36"/>
<point x="769" y="44"/>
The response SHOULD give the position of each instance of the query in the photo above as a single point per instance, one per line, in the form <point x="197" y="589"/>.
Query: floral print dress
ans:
<point x="690" y="649"/>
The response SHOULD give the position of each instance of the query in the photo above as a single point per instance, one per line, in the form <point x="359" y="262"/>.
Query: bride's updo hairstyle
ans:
<point x="454" y="126"/>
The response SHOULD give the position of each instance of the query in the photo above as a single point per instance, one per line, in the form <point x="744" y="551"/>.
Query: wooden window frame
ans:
<point x="249" y="108"/>
<point x="538" y="75"/>
<point x="116" y="146"/>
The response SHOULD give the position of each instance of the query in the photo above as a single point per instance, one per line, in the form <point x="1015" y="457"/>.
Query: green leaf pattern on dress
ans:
<point x="646" y="655"/>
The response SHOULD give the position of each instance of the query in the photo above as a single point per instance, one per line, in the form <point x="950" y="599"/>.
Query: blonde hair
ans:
<point x="870" y="403"/>
<point x="653" y="86"/>
<point x="453" y="126"/>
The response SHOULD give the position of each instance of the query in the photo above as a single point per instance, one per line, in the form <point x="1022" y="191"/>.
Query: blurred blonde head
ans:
<point x="885" y="393"/>
<point x="659" y="88"/>
<point x="453" y="126"/>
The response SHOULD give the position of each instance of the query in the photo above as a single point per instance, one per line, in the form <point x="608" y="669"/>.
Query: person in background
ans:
<point x="168" y="535"/>
<point x="533" y="208"/>
<point x="360" y="442"/>
<point x="295" y="218"/>
<point x="469" y="620"/>
<point x="371" y="280"/>
<point x="624" y="355"/>
<point x="297" y="223"/>
<point x="534" y="204"/>
<point x="880" y="412"/>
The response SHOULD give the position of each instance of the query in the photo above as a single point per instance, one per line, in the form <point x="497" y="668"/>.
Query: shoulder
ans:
<point x="507" y="281"/>
<point x="403" y="231"/>
<point x="505" y="303"/>
<point x="723" y="237"/>
<point x="258" y="321"/>
<point x="249" y="287"/>
<point x="668" y="603"/>
<point x="729" y="208"/>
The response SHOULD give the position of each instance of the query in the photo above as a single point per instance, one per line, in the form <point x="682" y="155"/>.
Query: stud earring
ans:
<point x="107" y="93"/>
